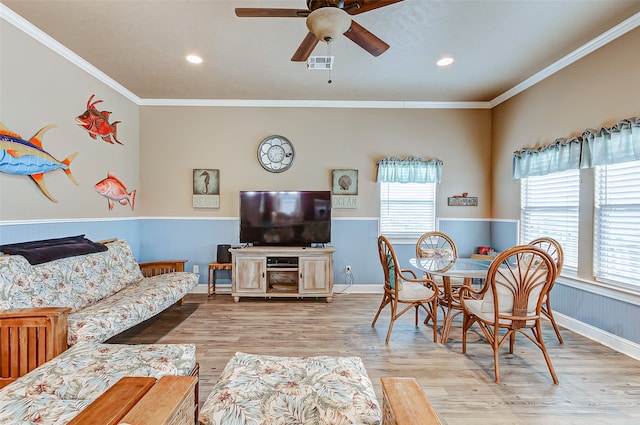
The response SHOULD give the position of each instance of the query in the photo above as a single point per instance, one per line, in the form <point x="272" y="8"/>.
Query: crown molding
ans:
<point x="593" y="45"/>
<point x="391" y="104"/>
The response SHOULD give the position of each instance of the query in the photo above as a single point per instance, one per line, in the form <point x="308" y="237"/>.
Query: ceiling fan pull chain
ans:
<point x="329" y="55"/>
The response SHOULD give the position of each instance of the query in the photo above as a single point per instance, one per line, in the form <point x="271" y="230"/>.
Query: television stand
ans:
<point x="276" y="271"/>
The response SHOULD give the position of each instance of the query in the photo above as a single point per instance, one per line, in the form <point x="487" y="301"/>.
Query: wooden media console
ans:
<point x="282" y="272"/>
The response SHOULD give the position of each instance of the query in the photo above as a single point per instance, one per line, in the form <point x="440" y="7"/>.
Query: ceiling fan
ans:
<point x="326" y="19"/>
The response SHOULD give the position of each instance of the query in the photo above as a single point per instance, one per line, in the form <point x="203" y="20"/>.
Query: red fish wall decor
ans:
<point x="115" y="191"/>
<point x="96" y="122"/>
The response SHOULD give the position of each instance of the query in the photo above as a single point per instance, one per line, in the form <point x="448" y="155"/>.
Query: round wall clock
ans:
<point x="276" y="154"/>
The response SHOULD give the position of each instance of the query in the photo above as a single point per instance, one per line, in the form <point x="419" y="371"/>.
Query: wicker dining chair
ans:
<point x="439" y="245"/>
<point x="403" y="287"/>
<point x="436" y="245"/>
<point x="553" y="248"/>
<point x="511" y="301"/>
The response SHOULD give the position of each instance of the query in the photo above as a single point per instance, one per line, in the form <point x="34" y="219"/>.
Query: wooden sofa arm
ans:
<point x="30" y="337"/>
<point x="169" y="401"/>
<point x="404" y="403"/>
<point x="138" y="400"/>
<point x="116" y="402"/>
<point x="154" y="268"/>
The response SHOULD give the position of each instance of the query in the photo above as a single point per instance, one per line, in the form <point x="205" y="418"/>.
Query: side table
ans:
<point x="213" y="268"/>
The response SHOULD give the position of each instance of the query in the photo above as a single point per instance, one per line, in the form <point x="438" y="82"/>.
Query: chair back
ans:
<point x="518" y="280"/>
<point x="436" y="245"/>
<point x="553" y="248"/>
<point x="390" y="264"/>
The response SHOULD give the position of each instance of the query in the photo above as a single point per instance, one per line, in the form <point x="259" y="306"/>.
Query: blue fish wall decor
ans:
<point x="27" y="158"/>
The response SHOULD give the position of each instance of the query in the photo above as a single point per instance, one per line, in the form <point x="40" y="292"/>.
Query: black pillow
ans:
<point x="38" y="252"/>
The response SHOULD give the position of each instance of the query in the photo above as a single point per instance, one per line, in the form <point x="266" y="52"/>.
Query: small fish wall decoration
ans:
<point x="27" y="158"/>
<point x="115" y="191"/>
<point x="97" y="122"/>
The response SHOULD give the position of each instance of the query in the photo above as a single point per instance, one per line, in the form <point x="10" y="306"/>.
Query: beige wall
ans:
<point x="174" y="140"/>
<point x="163" y="144"/>
<point x="596" y="91"/>
<point x="38" y="88"/>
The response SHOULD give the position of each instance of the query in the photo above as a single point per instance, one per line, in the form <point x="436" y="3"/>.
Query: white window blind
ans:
<point x="550" y="208"/>
<point x="407" y="210"/>
<point x="617" y="224"/>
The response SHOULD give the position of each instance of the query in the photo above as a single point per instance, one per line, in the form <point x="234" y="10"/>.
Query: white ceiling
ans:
<point x="141" y="44"/>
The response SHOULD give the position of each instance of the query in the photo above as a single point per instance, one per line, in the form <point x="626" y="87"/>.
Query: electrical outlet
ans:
<point x="347" y="269"/>
<point x="196" y="269"/>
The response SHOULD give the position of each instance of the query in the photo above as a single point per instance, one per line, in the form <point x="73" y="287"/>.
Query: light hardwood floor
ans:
<point x="597" y="384"/>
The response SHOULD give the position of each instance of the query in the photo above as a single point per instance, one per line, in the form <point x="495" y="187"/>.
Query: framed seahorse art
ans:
<point x="206" y="188"/>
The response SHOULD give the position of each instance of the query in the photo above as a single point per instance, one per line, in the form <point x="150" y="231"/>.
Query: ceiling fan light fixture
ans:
<point x="327" y="23"/>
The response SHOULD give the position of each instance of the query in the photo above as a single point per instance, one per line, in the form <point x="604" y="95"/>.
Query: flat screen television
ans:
<point x="300" y="218"/>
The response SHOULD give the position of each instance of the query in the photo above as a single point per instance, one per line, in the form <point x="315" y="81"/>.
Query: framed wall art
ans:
<point x="463" y="201"/>
<point x="206" y="188"/>
<point x="344" y="188"/>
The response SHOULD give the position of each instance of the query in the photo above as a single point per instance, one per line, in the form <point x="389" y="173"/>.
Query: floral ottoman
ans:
<point x="265" y="390"/>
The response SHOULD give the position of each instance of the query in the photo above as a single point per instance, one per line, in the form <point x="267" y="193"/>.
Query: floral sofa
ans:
<point x="106" y="291"/>
<point x="55" y="392"/>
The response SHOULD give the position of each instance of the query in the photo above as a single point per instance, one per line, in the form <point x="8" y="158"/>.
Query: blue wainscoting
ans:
<point x="611" y="315"/>
<point x="356" y="244"/>
<point x="470" y="234"/>
<point x="197" y="240"/>
<point x="98" y="229"/>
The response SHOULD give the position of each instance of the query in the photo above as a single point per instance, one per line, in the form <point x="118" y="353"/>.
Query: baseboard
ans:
<point x="612" y="341"/>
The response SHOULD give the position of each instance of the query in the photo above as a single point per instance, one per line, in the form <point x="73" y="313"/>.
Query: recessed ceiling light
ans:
<point x="445" y="61"/>
<point x="194" y="59"/>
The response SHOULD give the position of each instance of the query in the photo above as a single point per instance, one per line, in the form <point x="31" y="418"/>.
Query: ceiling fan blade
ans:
<point x="354" y="7"/>
<point x="365" y="39"/>
<point x="306" y="47"/>
<point x="257" y="12"/>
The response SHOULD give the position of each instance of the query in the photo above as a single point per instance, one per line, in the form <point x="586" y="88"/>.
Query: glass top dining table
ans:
<point x="460" y="267"/>
<point x="466" y="268"/>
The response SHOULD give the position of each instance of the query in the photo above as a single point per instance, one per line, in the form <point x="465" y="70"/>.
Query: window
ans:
<point x="617" y="223"/>
<point x="407" y="210"/>
<point x="550" y="207"/>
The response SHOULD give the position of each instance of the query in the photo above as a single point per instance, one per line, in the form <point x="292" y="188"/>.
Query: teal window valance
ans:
<point x="409" y="170"/>
<point x="620" y="143"/>
<point x="616" y="144"/>
<point x="561" y="155"/>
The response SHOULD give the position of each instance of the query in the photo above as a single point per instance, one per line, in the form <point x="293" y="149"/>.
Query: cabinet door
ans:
<point x="315" y="275"/>
<point x="249" y="274"/>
